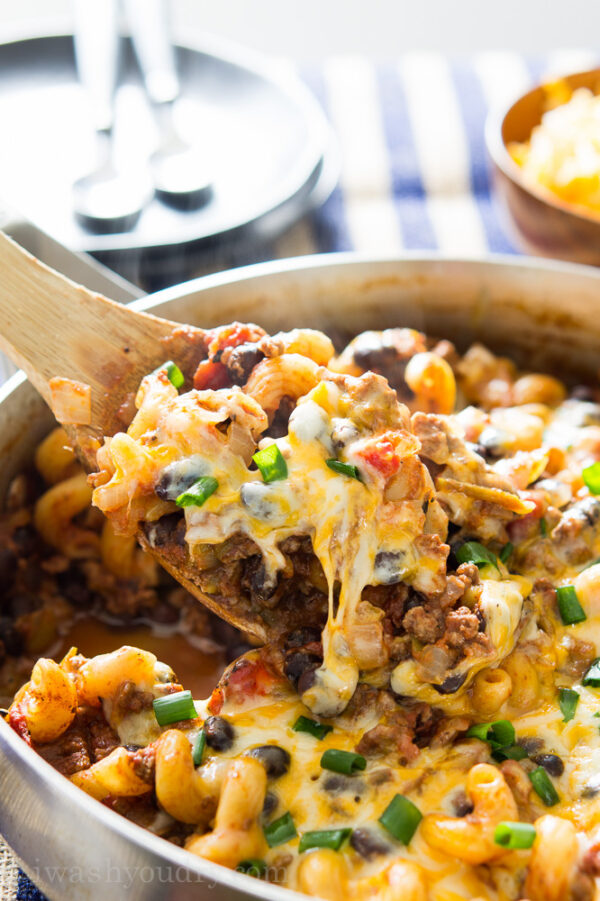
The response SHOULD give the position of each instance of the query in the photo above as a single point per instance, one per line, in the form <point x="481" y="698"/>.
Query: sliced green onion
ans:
<point x="254" y="866"/>
<point x="323" y="838"/>
<point x="570" y="609"/>
<point x="514" y="835"/>
<point x="173" y="708"/>
<point x="591" y="477"/>
<point x="506" y="551"/>
<point x="319" y="730"/>
<point x="592" y="676"/>
<point x="510" y="752"/>
<point x="500" y="734"/>
<point x="280" y="831"/>
<point x="568" y="701"/>
<point x="474" y="552"/>
<point x="543" y="527"/>
<point x="342" y="761"/>
<point x="198" y="493"/>
<point x="198" y="748"/>
<point x="174" y="373"/>
<point x="271" y="463"/>
<point x="401" y="818"/>
<point x="344" y="469"/>
<point x="597" y="714"/>
<point x="543" y="787"/>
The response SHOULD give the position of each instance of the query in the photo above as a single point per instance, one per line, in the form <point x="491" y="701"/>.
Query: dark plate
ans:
<point x="264" y="136"/>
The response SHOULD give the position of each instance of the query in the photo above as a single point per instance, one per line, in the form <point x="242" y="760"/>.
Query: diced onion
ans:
<point x="71" y="402"/>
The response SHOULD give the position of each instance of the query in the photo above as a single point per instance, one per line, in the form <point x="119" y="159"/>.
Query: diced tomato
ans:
<point x="215" y="702"/>
<point x="380" y="453"/>
<point x="247" y="680"/>
<point x="17" y="721"/>
<point x="529" y="525"/>
<point x="232" y="336"/>
<point x="211" y="375"/>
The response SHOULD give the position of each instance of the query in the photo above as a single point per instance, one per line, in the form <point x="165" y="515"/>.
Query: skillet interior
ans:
<point x="543" y="313"/>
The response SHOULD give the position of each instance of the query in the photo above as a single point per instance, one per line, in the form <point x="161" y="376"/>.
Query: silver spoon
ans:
<point x="179" y="170"/>
<point x="105" y="200"/>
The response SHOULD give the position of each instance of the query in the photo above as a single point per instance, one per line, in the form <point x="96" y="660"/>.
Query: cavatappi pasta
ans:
<point x="419" y="539"/>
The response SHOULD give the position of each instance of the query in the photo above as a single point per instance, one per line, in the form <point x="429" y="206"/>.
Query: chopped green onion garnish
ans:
<point x="319" y="730"/>
<point x="597" y="713"/>
<point x="401" y="818"/>
<point x="568" y="701"/>
<point x="591" y="477"/>
<point x="344" y="469"/>
<point x="500" y="734"/>
<point x="174" y="373"/>
<point x="514" y="835"/>
<point x="510" y="752"/>
<point x="570" y="609"/>
<point x="173" y="708"/>
<point x="544" y="787"/>
<point x="342" y="761"/>
<point x="324" y="838"/>
<point x="506" y="551"/>
<point x="473" y="552"/>
<point x="592" y="676"/>
<point x="198" y="493"/>
<point x="252" y="867"/>
<point x="280" y="831"/>
<point x="198" y="748"/>
<point x="271" y="463"/>
<point x="543" y="527"/>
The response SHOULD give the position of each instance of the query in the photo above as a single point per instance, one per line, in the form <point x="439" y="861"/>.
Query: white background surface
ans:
<point x="310" y="30"/>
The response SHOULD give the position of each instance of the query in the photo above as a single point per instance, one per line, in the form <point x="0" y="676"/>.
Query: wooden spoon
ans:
<point x="50" y="327"/>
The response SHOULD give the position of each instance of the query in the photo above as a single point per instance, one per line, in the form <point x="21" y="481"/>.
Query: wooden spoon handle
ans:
<point x="49" y="326"/>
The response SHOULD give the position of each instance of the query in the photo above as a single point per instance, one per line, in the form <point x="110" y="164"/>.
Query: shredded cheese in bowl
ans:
<point x="563" y="153"/>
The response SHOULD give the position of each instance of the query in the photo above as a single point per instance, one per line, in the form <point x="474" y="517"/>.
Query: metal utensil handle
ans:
<point x="96" y="54"/>
<point x="149" y="25"/>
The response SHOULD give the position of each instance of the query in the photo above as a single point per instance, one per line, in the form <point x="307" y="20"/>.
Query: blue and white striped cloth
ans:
<point x="414" y="177"/>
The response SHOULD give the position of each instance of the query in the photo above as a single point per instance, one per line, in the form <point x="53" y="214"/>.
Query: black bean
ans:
<point x="531" y="744"/>
<point x="168" y="529"/>
<point x="177" y="477"/>
<point x="297" y="663"/>
<point x="8" y="567"/>
<point x="552" y="763"/>
<point x="73" y="586"/>
<point x="306" y="681"/>
<point x="450" y="684"/>
<point x="26" y="539"/>
<point x="275" y="760"/>
<point x="241" y="360"/>
<point x="592" y="788"/>
<point x="219" y="733"/>
<point x="270" y="805"/>
<point x="21" y="604"/>
<point x="302" y="636"/>
<point x="462" y="805"/>
<point x="10" y="637"/>
<point x="133" y="748"/>
<point x="368" y="844"/>
<point x="337" y="783"/>
<point x="261" y="584"/>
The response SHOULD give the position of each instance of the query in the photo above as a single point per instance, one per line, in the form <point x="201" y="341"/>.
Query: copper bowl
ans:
<point x="540" y="222"/>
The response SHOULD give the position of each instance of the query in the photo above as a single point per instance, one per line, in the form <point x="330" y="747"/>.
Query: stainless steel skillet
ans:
<point x="543" y="314"/>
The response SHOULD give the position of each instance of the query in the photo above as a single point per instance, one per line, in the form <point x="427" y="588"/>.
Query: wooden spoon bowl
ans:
<point x="542" y="223"/>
